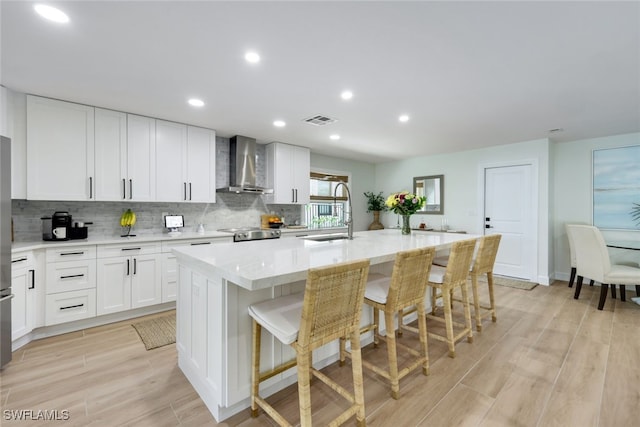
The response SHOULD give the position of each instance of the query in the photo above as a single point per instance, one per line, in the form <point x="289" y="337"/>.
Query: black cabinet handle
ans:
<point x="33" y="279"/>
<point x="71" y="306"/>
<point x="202" y="243"/>
<point x="72" y="276"/>
<point x="19" y="260"/>
<point x="72" y="253"/>
<point x="135" y="266"/>
<point x="131" y="249"/>
<point x="91" y="187"/>
<point x="189" y="191"/>
<point x="127" y="267"/>
<point x="296" y="195"/>
<point x="130" y="189"/>
<point x="185" y="190"/>
<point x="124" y="188"/>
<point x="293" y="195"/>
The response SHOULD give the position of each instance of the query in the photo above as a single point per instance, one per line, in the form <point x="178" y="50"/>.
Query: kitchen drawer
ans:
<point x="128" y="249"/>
<point x="21" y="259"/>
<point x="167" y="245"/>
<point x="69" y="306"/>
<point x="71" y="276"/>
<point x="74" y="253"/>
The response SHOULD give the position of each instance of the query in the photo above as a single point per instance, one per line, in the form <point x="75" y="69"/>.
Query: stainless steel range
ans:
<point x="249" y="234"/>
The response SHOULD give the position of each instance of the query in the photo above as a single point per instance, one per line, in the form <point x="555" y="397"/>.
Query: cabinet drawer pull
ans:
<point x="131" y="249"/>
<point x="203" y="243"/>
<point x="19" y="260"/>
<point x="71" y="276"/>
<point x="124" y="188"/>
<point x="33" y="279"/>
<point x="130" y="189"/>
<point x="293" y="195"/>
<point x="189" y="191"/>
<point x="71" y="253"/>
<point x="185" y="190"/>
<point x="71" y="306"/>
<point x="135" y="265"/>
<point x="128" y="263"/>
<point x="91" y="187"/>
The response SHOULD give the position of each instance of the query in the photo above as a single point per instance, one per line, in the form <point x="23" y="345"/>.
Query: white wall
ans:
<point x="572" y="195"/>
<point x="463" y="182"/>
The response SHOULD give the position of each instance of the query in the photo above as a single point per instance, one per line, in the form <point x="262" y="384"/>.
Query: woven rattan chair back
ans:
<point x="459" y="263"/>
<point x="486" y="256"/>
<point x="409" y="277"/>
<point x="332" y="303"/>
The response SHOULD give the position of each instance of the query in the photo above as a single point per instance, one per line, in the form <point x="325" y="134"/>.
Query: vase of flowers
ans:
<point x="405" y="204"/>
<point x="375" y="204"/>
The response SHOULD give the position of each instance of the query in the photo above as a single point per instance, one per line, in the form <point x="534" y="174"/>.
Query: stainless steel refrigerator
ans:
<point x="5" y="251"/>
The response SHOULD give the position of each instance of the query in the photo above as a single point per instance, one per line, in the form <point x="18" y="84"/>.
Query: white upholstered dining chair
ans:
<point x="592" y="261"/>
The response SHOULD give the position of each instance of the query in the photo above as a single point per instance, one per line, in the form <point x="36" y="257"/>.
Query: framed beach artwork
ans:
<point x="616" y="188"/>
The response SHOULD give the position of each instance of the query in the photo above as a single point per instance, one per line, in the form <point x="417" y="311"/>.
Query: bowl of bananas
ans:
<point x="127" y="220"/>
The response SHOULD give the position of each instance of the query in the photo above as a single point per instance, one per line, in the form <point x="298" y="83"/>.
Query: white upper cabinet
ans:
<point x="288" y="168"/>
<point x="78" y="152"/>
<point x="111" y="155"/>
<point x="185" y="163"/>
<point x="201" y="165"/>
<point x="171" y="161"/>
<point x="60" y="150"/>
<point x="141" y="158"/>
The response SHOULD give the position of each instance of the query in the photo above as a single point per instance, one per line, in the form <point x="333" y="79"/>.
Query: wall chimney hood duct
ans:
<point x="242" y="167"/>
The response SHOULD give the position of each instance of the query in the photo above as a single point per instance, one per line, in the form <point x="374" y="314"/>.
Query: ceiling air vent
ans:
<point x="319" y="120"/>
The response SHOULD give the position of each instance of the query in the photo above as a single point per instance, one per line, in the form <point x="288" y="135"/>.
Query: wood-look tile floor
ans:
<point x="550" y="360"/>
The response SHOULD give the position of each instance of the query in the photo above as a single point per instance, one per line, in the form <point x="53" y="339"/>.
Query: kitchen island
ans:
<point x="216" y="284"/>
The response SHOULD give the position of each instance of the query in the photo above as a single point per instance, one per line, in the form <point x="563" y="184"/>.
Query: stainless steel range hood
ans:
<point x="242" y="167"/>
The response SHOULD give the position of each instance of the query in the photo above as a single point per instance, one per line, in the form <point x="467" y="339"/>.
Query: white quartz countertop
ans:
<point x="266" y="263"/>
<point x="148" y="237"/>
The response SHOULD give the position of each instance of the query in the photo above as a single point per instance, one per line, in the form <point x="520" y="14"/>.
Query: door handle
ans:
<point x="296" y="195"/>
<point x="33" y="279"/>
<point x="91" y="187"/>
<point x="124" y="188"/>
<point x="127" y="267"/>
<point x="190" y="191"/>
<point x="185" y="190"/>
<point x="293" y="195"/>
<point x="130" y="189"/>
<point x="135" y="266"/>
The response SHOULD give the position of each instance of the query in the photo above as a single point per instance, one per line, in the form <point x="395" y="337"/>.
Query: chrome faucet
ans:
<point x="349" y="221"/>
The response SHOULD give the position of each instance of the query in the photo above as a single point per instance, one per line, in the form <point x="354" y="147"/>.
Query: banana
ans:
<point x="128" y="218"/>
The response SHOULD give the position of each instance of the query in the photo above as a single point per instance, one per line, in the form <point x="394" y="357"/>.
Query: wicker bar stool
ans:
<point x="447" y="280"/>
<point x="329" y="308"/>
<point x="405" y="288"/>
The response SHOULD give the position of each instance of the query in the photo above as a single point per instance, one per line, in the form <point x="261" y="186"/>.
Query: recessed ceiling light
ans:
<point x="403" y="118"/>
<point x="346" y="95"/>
<point x="196" y="102"/>
<point x="279" y="124"/>
<point x="334" y="137"/>
<point x="252" y="57"/>
<point x="51" y="13"/>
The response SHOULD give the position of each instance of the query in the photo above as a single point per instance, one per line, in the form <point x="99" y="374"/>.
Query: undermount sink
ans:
<point x="327" y="237"/>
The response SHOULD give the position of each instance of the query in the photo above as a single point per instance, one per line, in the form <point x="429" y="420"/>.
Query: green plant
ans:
<point x="375" y="202"/>
<point x="635" y="213"/>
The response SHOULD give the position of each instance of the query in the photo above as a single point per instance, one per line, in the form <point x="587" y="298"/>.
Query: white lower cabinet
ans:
<point x="70" y="284"/>
<point x="130" y="280"/>
<point x="23" y="288"/>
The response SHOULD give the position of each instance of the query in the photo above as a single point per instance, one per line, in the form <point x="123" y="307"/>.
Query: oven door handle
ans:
<point x="8" y="297"/>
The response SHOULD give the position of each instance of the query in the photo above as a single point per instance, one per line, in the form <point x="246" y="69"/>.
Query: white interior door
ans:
<point x="509" y="196"/>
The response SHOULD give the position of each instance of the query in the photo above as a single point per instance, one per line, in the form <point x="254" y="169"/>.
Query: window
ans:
<point x="325" y="211"/>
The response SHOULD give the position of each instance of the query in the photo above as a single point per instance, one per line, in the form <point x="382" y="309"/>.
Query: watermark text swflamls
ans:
<point x="36" y="415"/>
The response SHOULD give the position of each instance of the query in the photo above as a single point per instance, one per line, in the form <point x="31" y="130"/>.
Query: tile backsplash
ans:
<point x="230" y="210"/>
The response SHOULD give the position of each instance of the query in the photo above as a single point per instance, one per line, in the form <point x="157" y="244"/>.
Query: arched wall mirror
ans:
<point x="432" y="188"/>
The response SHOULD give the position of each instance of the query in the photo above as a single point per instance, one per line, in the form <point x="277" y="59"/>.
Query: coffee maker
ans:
<point x="56" y="227"/>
